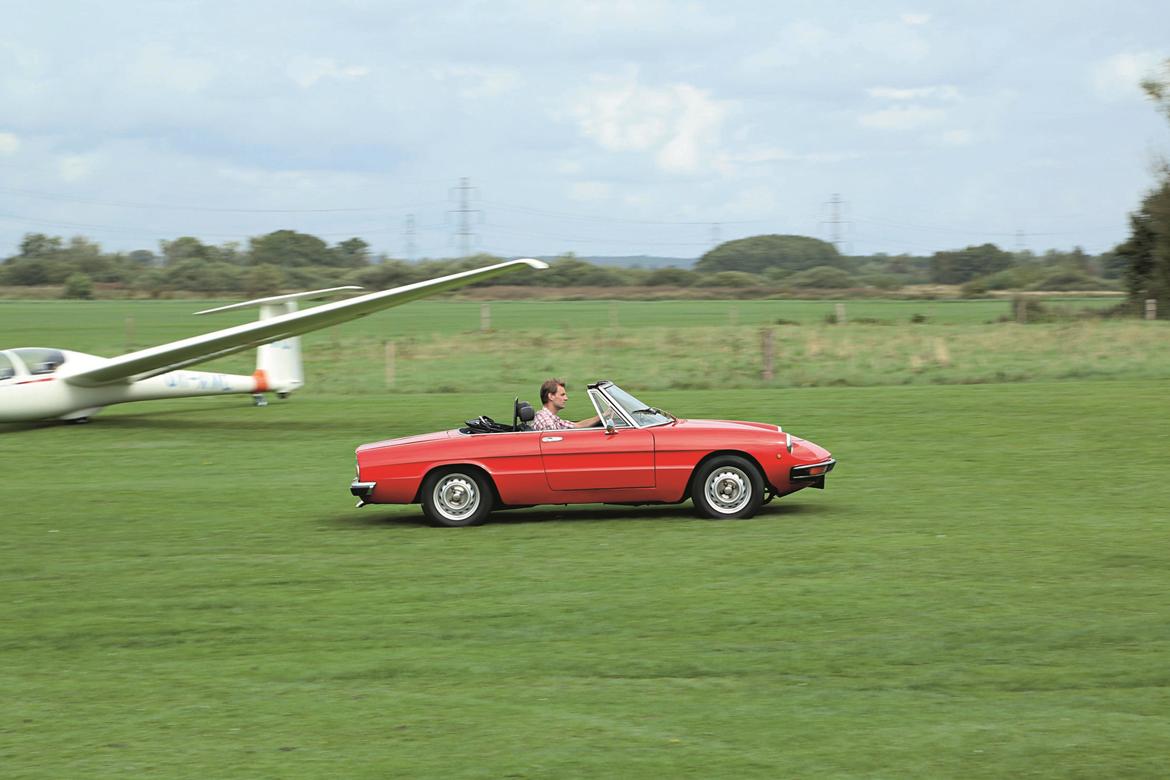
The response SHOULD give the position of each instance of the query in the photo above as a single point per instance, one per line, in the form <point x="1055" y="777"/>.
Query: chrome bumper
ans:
<point x="812" y="475"/>
<point x="362" y="490"/>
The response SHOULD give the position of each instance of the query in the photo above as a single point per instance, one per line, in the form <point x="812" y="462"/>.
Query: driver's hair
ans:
<point x="549" y="388"/>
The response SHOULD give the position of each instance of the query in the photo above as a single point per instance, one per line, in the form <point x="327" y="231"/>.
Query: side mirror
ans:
<point x="609" y="429"/>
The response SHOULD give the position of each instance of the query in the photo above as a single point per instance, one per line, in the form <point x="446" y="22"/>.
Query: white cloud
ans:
<point x="804" y="46"/>
<point x="940" y="92"/>
<point x="477" y="82"/>
<point x="1119" y="77"/>
<point x="157" y="66"/>
<point x="957" y="138"/>
<point x="679" y="124"/>
<point x="308" y="72"/>
<point x="610" y="17"/>
<point x="730" y="162"/>
<point x="915" y="20"/>
<point x="589" y="190"/>
<point x="901" y="118"/>
<point x="76" y="167"/>
<point x="9" y="143"/>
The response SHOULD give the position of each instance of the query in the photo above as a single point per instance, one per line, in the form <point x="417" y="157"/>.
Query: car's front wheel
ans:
<point x="456" y="497"/>
<point x="727" y="487"/>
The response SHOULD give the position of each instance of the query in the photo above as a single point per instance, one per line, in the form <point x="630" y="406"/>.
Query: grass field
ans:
<point x="439" y="345"/>
<point x="187" y="591"/>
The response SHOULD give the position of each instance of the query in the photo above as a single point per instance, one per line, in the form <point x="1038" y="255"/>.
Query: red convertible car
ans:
<point x="637" y="454"/>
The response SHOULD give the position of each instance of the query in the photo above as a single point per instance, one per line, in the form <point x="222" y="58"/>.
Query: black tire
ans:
<point x="727" y="487"/>
<point x="456" y="497"/>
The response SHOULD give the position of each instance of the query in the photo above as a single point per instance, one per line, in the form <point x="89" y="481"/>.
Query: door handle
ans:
<point x="551" y="438"/>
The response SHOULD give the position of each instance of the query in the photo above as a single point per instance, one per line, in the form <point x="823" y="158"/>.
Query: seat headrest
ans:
<point x="527" y="413"/>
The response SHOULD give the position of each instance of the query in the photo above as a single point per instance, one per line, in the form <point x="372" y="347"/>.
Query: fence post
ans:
<point x="1021" y="309"/>
<point x="840" y="314"/>
<point x="1151" y="308"/>
<point x="391" y="355"/>
<point x="485" y="317"/>
<point x="766" y="349"/>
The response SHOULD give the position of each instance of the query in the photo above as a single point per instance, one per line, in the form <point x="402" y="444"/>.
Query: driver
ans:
<point x="554" y="398"/>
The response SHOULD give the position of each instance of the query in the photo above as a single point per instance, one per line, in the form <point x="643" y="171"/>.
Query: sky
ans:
<point x="596" y="127"/>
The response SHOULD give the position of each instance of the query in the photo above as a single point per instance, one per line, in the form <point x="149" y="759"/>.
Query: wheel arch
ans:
<point x="721" y="453"/>
<point x="455" y="466"/>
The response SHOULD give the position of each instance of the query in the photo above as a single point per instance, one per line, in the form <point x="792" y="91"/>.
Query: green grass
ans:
<point x="438" y="345"/>
<point x="186" y="591"/>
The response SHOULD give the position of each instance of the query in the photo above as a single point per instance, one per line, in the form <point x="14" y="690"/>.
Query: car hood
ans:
<point x="728" y="425"/>
<point x="422" y="437"/>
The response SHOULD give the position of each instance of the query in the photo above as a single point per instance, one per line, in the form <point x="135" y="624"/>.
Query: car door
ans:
<point x="598" y="459"/>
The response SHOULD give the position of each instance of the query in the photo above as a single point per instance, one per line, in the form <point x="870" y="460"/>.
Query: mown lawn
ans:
<point x="187" y="591"/>
<point x="438" y="345"/>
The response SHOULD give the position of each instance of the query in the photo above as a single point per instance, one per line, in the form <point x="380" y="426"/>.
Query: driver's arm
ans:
<point x="594" y="420"/>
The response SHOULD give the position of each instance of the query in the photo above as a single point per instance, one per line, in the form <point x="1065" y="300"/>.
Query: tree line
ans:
<point x="287" y="259"/>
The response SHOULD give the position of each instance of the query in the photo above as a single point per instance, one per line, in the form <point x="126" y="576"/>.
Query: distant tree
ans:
<point x="288" y="248"/>
<point x="384" y="275"/>
<point x="142" y="257"/>
<point x="670" y="277"/>
<point x="958" y="266"/>
<point x="822" y="277"/>
<point x="204" y="276"/>
<point x="38" y="245"/>
<point x="1112" y="265"/>
<point x="41" y="260"/>
<point x="227" y="252"/>
<point x="184" y="248"/>
<point x="352" y="253"/>
<point x="759" y="253"/>
<point x="571" y="272"/>
<point x="1146" y="253"/>
<point x="737" y="279"/>
<point x="86" y="257"/>
<point x="78" y="286"/>
<point x="1068" y="279"/>
<point x="151" y="281"/>
<point x="261" y="280"/>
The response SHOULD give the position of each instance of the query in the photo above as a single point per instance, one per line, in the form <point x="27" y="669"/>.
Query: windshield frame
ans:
<point x="630" y="407"/>
<point x="619" y="416"/>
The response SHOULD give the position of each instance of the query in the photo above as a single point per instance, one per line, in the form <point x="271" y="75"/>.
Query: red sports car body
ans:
<point x="636" y="455"/>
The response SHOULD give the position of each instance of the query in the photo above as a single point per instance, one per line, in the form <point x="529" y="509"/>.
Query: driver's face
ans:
<point x="559" y="398"/>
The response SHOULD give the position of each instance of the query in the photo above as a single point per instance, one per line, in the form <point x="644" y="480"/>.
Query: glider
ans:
<point x="37" y="383"/>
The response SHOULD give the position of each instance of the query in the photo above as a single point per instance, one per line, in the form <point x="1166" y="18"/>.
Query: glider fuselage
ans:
<point x="41" y="392"/>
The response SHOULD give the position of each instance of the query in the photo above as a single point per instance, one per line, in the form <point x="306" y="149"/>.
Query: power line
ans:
<point x="626" y="220"/>
<point x="53" y="197"/>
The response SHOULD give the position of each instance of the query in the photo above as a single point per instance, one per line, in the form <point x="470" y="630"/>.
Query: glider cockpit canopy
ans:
<point x="37" y="361"/>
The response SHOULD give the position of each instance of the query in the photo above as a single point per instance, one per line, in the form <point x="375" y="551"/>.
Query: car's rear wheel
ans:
<point x="456" y="497"/>
<point x="727" y="487"/>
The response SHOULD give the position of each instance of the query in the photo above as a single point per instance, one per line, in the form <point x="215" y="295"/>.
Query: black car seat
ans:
<point x="522" y="415"/>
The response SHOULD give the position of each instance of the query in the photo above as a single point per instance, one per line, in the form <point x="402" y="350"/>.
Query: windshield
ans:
<point x="7" y="370"/>
<point x="642" y="414"/>
<point x="40" y="361"/>
<point x="605" y="410"/>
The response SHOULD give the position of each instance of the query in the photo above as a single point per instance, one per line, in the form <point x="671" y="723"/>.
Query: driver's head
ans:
<point x="549" y="389"/>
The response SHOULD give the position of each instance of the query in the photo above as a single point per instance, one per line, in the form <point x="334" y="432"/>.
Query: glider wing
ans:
<point x="152" y="361"/>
